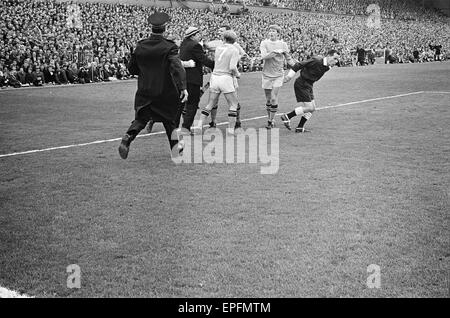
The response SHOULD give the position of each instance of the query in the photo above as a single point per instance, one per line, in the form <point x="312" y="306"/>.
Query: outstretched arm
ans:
<point x="290" y="61"/>
<point x="300" y="65"/>
<point x="289" y="76"/>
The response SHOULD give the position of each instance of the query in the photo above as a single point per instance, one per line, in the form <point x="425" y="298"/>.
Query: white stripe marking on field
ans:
<point x="6" y="293"/>
<point x="74" y="145"/>
<point x="370" y="100"/>
<point x="433" y="92"/>
<point x="223" y="123"/>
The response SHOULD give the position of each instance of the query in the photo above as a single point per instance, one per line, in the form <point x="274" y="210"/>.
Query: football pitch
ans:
<point x="369" y="186"/>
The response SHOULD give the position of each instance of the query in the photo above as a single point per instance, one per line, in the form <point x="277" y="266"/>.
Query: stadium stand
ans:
<point x="47" y="41"/>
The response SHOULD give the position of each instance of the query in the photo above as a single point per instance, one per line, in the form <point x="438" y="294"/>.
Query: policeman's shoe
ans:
<point x="150" y="126"/>
<point x="286" y="121"/>
<point x="302" y="130"/>
<point x="212" y="124"/>
<point x="237" y="125"/>
<point x="124" y="147"/>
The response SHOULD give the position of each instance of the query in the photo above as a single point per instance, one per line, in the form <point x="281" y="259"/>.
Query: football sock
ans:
<point x="238" y="114"/>
<point x="213" y="114"/>
<point x="304" y="119"/>
<point x="232" y="114"/>
<point x="296" y="112"/>
<point x="205" y="113"/>
<point x="291" y="115"/>
<point x="268" y="108"/>
<point x="302" y="122"/>
<point x="273" y="111"/>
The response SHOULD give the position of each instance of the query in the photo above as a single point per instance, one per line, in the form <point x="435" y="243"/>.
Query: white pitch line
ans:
<point x="370" y="100"/>
<point x="75" y="145"/>
<point x="223" y="123"/>
<point x="432" y="92"/>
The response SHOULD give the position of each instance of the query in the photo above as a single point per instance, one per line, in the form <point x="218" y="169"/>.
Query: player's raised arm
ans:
<point x="290" y="61"/>
<point x="295" y="68"/>
<point x="242" y="52"/>
<point x="300" y="65"/>
<point x="289" y="76"/>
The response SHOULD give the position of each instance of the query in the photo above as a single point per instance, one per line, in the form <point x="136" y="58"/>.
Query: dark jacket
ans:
<point x="161" y="77"/>
<point x="312" y="69"/>
<point x="192" y="50"/>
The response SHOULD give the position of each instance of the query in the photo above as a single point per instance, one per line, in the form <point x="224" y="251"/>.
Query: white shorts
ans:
<point x="272" y="82"/>
<point x="222" y="84"/>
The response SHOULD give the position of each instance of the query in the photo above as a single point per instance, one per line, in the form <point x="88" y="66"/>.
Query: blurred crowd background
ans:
<point x="49" y="42"/>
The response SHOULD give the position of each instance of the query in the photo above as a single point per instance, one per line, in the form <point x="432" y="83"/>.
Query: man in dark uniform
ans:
<point x="161" y="83"/>
<point x="190" y="49"/>
<point x="311" y="71"/>
<point x="361" y="52"/>
<point x="387" y="54"/>
<point x="437" y="54"/>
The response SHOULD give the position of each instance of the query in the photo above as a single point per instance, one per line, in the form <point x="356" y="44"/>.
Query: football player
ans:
<point x="223" y="81"/>
<point x="211" y="46"/>
<point x="310" y="71"/>
<point x="274" y="52"/>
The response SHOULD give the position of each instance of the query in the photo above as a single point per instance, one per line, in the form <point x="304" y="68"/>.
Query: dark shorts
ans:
<point x="303" y="91"/>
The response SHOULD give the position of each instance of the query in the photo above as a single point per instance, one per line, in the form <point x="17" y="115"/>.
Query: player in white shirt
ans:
<point x="212" y="45"/>
<point x="223" y="81"/>
<point x="274" y="53"/>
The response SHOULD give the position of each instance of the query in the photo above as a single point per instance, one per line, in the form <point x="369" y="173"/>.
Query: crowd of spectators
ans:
<point x="58" y="42"/>
<point x="390" y="9"/>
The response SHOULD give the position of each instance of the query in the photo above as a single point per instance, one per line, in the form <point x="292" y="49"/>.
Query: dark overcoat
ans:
<point x="161" y="77"/>
<point x="192" y="50"/>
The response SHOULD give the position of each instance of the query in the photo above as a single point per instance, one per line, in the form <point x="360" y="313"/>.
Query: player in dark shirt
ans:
<point x="311" y="71"/>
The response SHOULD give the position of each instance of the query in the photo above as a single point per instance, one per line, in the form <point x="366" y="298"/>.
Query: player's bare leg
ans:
<point x="272" y="110"/>
<point x="268" y="93"/>
<point x="232" y="113"/>
<point x="238" y="113"/>
<point x="238" y="117"/>
<point x="213" y="123"/>
<point x="206" y="111"/>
